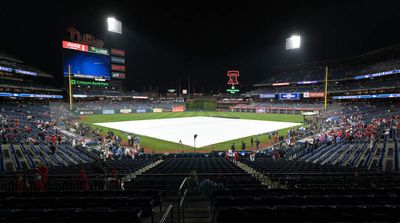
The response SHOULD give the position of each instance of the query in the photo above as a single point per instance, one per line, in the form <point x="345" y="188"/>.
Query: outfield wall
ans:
<point x="178" y="108"/>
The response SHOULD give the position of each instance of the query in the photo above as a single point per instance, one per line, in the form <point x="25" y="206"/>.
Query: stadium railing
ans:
<point x="169" y="212"/>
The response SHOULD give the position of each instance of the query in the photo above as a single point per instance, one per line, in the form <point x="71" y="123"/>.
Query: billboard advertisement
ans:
<point x="118" y="52"/>
<point x="117" y="67"/>
<point x="118" y="75"/>
<point x="90" y="83"/>
<point x="86" y="112"/>
<point x="86" y="65"/>
<point x="117" y="60"/>
<point x="179" y="108"/>
<point x="108" y="112"/>
<point x="140" y="110"/>
<point x="267" y="95"/>
<point x="261" y="110"/>
<point x="75" y="46"/>
<point x="125" y="111"/>
<point x="313" y="95"/>
<point x="98" y="50"/>
<point x="157" y="110"/>
<point x="289" y="96"/>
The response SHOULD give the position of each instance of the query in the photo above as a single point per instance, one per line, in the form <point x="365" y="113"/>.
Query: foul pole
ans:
<point x="326" y="87"/>
<point x="70" y="87"/>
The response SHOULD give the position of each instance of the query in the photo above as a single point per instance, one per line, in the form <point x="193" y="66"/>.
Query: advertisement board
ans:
<point x="117" y="52"/>
<point x="90" y="83"/>
<point x="260" y="110"/>
<point x="118" y="75"/>
<point x="75" y="46"/>
<point x="117" y="60"/>
<point x="86" y="112"/>
<point x="125" y="111"/>
<point x="267" y="95"/>
<point x="140" y="110"/>
<point x="179" y="108"/>
<point x="313" y="95"/>
<point x="289" y="96"/>
<point x="157" y="110"/>
<point x="108" y="112"/>
<point x="316" y="94"/>
<point x="167" y="110"/>
<point x="117" y="67"/>
<point x="98" y="50"/>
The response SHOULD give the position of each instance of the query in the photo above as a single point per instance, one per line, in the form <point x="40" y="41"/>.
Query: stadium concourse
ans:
<point x="344" y="169"/>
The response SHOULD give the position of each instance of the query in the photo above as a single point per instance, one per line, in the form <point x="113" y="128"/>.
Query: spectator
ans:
<point x="39" y="187"/>
<point x="21" y="184"/>
<point x="52" y="149"/>
<point x="257" y="144"/>
<point x="233" y="147"/>
<point x="43" y="171"/>
<point x="192" y="181"/>
<point x="83" y="180"/>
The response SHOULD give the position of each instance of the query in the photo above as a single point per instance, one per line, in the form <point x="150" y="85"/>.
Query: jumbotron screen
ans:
<point x="86" y="64"/>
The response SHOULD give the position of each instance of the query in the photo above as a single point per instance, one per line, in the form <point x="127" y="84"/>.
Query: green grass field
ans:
<point x="157" y="145"/>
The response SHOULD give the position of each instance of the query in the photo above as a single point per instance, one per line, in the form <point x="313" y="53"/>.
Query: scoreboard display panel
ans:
<point x="87" y="65"/>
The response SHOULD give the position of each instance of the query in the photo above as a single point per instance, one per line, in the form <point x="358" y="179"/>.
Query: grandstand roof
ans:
<point x="371" y="57"/>
<point x="15" y="63"/>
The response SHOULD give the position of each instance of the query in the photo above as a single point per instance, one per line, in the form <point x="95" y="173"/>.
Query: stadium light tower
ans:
<point x="114" y="25"/>
<point x="294" y="42"/>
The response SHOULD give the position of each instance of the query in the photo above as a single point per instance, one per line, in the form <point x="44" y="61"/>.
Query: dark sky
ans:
<point x="165" y="40"/>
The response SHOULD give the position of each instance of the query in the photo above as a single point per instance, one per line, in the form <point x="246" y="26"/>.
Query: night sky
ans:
<point x="165" y="40"/>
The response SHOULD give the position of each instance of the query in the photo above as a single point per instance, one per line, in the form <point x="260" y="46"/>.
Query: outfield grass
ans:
<point x="157" y="145"/>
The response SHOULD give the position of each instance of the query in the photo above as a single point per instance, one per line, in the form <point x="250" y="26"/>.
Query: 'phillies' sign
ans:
<point x="75" y="35"/>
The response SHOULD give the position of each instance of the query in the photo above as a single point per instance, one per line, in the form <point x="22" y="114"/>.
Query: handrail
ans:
<point x="166" y="214"/>
<point x="183" y="198"/>
<point x="182" y="185"/>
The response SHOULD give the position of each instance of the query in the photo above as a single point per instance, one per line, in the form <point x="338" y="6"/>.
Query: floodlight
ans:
<point x="114" y="25"/>
<point x="293" y="42"/>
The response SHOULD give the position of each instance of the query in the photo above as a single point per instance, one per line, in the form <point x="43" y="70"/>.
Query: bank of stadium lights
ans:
<point x="293" y="42"/>
<point x="114" y="25"/>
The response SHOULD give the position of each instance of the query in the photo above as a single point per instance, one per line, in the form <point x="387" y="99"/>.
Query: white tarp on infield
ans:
<point x="209" y="130"/>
